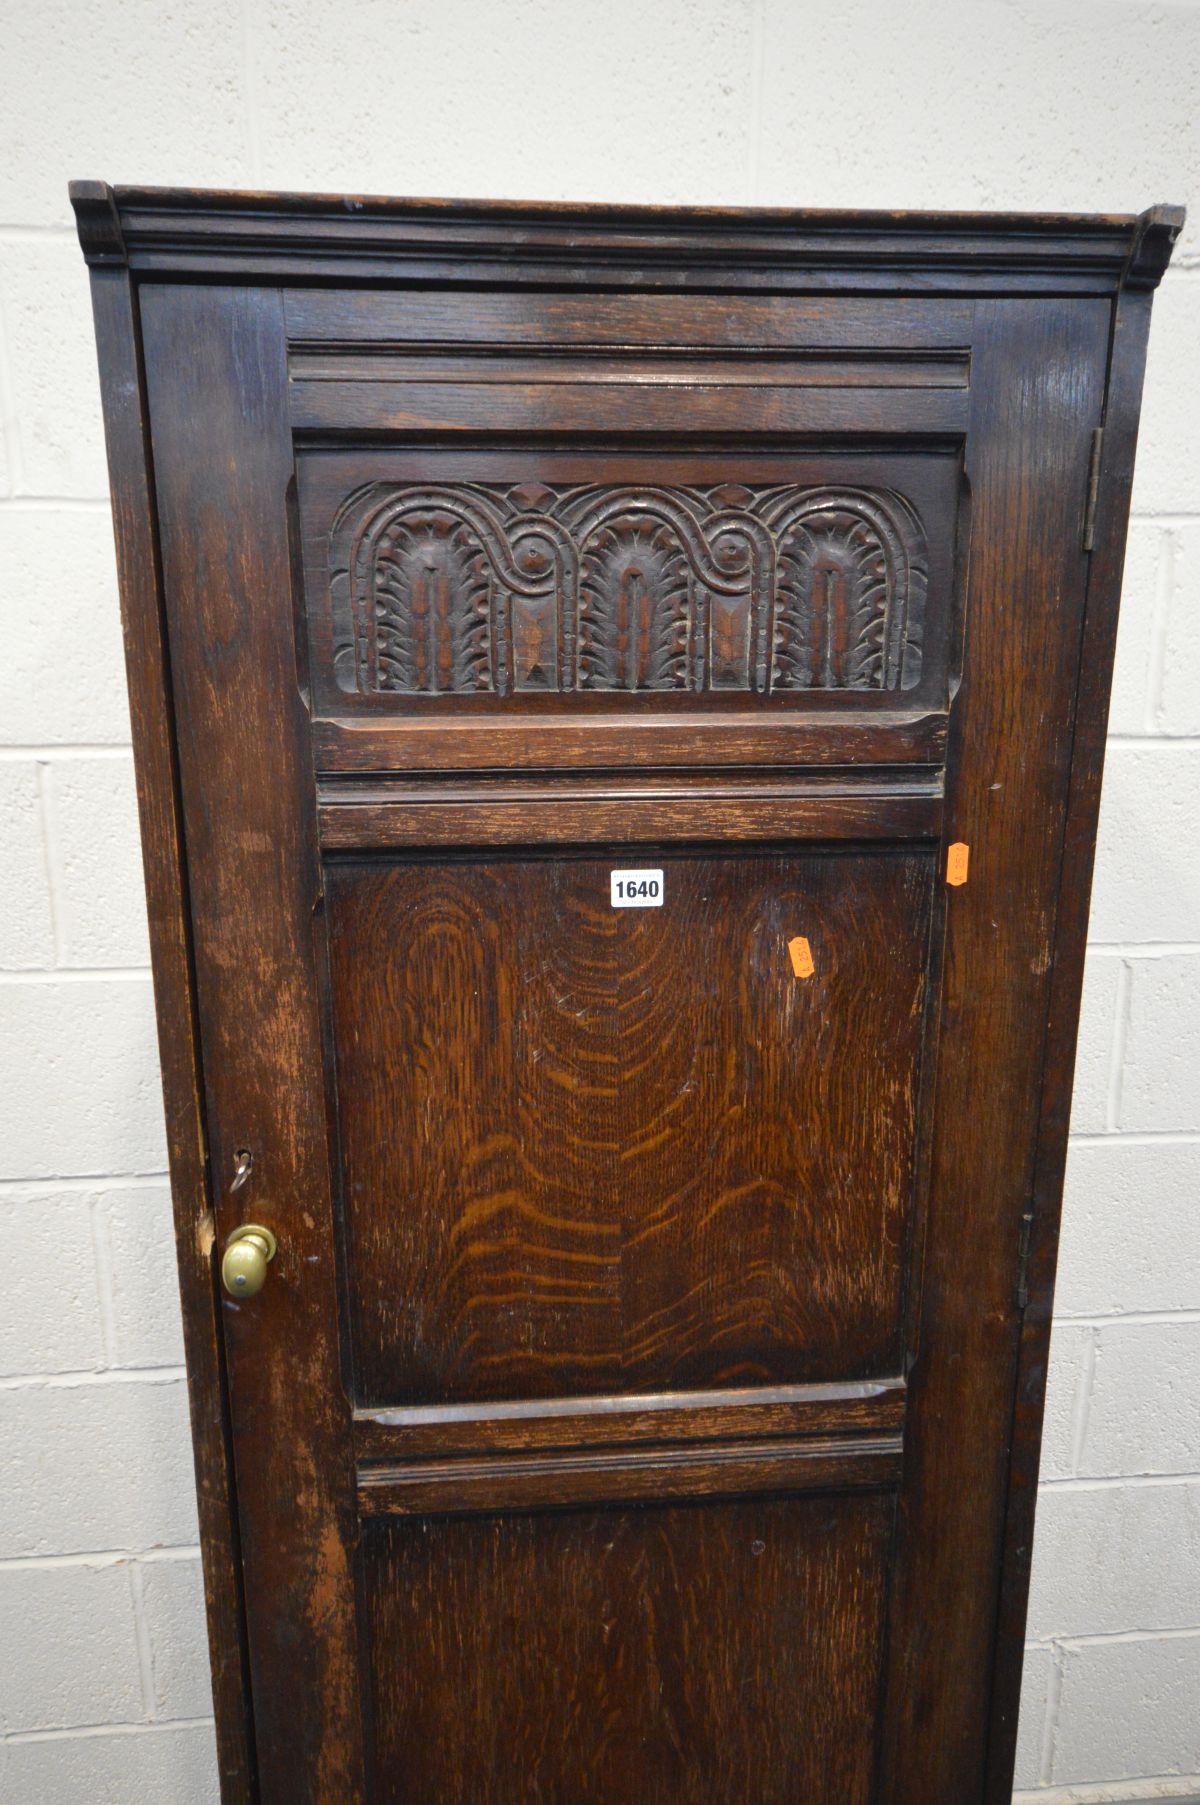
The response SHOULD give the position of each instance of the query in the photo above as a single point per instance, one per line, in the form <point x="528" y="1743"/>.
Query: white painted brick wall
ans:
<point x="74" y="1477"/>
<point x="1156" y="1681"/>
<point x="103" y="1685"/>
<point x="69" y="1649"/>
<point x="1176" y="708"/>
<point x="135" y="1238"/>
<point x="79" y="1090"/>
<point x="51" y="1320"/>
<point x="62" y="676"/>
<point x="1156" y="1089"/>
<point x="95" y="861"/>
<point x="1152" y="799"/>
<point x="1115" y="1555"/>
<point x="155" y="1764"/>
<point x="26" y="919"/>
<point x="1131" y="1228"/>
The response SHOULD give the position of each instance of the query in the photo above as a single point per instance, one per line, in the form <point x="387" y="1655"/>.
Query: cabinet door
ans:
<point x="571" y="754"/>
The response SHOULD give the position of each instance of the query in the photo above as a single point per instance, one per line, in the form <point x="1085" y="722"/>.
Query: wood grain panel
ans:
<point x="596" y="1150"/>
<point x="155" y="753"/>
<point x="685" y="1654"/>
<point x="1127" y="360"/>
<point x="617" y="322"/>
<point x="1037" y="394"/>
<point x="361" y="408"/>
<point x="249" y="812"/>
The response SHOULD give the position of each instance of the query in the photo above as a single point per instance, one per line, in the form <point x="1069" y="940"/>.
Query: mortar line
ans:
<point x="78" y="974"/>
<point x="1144" y="949"/>
<point x="102" y="1557"/>
<point x="251" y="138"/>
<point x="88" y="1379"/>
<point x="1164" y="593"/>
<point x="1140" y="1137"/>
<point x="1153" y="742"/>
<point x="91" y="1732"/>
<point x="1050" y="1720"/>
<point x="141" y="1636"/>
<point x="1102" y="1638"/>
<point x="1116" y="1068"/>
<point x="1137" y="1319"/>
<point x="13" y="453"/>
<point x="94" y="750"/>
<point x="19" y="1186"/>
<point x="86" y="1181"/>
<point x="755" y="99"/>
<point x="1083" y="1400"/>
<point x="1136" y="1482"/>
<point x="18" y="232"/>
<point x="106" y="1302"/>
<point x="44" y="502"/>
<point x="1162" y="1788"/>
<point x="51" y="863"/>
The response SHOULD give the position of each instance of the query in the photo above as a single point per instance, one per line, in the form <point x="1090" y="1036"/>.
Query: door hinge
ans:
<point x="1023" y="1259"/>
<point x="1093" y="489"/>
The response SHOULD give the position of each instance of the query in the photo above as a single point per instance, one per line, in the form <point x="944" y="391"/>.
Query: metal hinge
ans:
<point x="1023" y="1259"/>
<point x="1093" y="489"/>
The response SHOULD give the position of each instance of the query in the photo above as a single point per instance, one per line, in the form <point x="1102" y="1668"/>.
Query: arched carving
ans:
<point x="456" y="589"/>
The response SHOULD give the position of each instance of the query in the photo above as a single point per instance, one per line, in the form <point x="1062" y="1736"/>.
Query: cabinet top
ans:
<point x="355" y="238"/>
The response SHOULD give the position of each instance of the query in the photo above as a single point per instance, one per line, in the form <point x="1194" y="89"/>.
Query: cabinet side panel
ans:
<point x="1037" y="394"/>
<point x="1126" y="368"/>
<point x="150" y="706"/>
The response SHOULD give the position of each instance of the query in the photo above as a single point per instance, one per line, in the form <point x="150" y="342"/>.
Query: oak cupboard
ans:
<point x="619" y="700"/>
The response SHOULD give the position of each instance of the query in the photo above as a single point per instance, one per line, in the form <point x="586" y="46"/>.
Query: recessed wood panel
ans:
<point x="683" y="1654"/>
<point x="589" y="1149"/>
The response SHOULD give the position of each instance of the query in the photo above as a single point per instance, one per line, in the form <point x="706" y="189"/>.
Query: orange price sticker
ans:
<point x="957" y="860"/>
<point x="801" y="956"/>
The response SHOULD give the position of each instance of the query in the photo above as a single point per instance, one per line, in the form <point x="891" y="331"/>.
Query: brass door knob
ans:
<point x="248" y="1252"/>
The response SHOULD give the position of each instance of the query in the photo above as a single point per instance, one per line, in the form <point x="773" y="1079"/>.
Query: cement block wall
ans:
<point x="984" y="103"/>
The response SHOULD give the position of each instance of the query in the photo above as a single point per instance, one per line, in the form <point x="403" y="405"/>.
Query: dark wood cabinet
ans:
<point x="619" y="701"/>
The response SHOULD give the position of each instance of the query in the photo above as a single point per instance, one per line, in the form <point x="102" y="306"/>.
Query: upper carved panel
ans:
<point x="468" y="588"/>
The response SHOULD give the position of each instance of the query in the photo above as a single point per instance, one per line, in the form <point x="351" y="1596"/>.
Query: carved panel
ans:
<point x="479" y="587"/>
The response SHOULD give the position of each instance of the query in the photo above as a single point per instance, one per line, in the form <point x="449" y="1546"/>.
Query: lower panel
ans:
<point x="707" y="1653"/>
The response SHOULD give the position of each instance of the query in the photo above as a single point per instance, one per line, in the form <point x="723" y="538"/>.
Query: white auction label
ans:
<point x="636" y="889"/>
